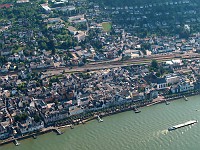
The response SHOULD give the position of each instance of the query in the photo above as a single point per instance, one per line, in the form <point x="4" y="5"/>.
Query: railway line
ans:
<point x="111" y="64"/>
<point x="115" y="64"/>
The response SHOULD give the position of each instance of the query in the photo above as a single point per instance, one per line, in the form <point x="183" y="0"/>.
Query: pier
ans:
<point x="99" y="119"/>
<point x="16" y="142"/>
<point x="57" y="131"/>
<point x="185" y="98"/>
<point x="72" y="126"/>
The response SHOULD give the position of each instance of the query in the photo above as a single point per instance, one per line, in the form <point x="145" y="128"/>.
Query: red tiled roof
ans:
<point x="5" y="5"/>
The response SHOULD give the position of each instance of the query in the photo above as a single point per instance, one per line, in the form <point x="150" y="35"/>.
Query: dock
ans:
<point x="182" y="125"/>
<point x="16" y="142"/>
<point x="153" y="103"/>
<point x="57" y="131"/>
<point x="72" y="126"/>
<point x="99" y="119"/>
<point x="185" y="98"/>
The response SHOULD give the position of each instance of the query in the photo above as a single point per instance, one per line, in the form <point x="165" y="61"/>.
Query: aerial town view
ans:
<point x="99" y="74"/>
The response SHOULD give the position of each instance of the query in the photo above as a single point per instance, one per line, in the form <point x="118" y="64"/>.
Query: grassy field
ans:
<point x="106" y="26"/>
<point x="18" y="50"/>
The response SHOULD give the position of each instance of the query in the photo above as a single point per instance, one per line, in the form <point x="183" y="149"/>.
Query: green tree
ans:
<point x="21" y="117"/>
<point x="51" y="46"/>
<point x="37" y="118"/>
<point x="154" y="64"/>
<point x="42" y="2"/>
<point x="2" y="60"/>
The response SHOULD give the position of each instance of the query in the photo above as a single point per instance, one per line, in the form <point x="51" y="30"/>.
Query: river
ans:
<point x="128" y="131"/>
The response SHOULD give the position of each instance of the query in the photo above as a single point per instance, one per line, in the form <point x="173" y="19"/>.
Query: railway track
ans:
<point x="112" y="64"/>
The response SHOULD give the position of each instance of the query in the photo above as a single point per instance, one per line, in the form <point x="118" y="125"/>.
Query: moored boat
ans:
<point x="34" y="136"/>
<point x="71" y="126"/>
<point x="136" y="110"/>
<point x="167" y="102"/>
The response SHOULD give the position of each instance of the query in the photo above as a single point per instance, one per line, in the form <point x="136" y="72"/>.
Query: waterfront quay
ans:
<point x="30" y="135"/>
<point x="143" y="131"/>
<point x="83" y="118"/>
<point x="91" y="115"/>
<point x="62" y="124"/>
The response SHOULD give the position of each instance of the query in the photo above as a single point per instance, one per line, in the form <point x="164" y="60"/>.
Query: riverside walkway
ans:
<point x="44" y="130"/>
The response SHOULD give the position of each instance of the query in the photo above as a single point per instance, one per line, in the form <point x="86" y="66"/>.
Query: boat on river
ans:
<point x="182" y="125"/>
<point x="167" y="102"/>
<point x="34" y="136"/>
<point x="71" y="126"/>
<point x="136" y="110"/>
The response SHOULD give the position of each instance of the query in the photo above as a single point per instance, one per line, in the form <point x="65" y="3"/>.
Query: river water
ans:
<point x="128" y="131"/>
